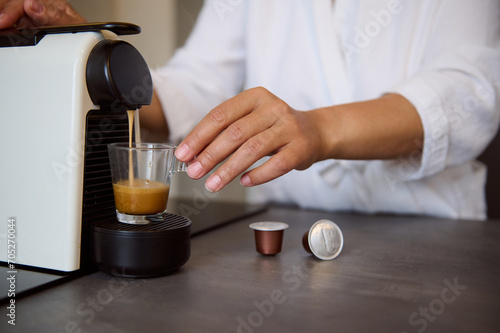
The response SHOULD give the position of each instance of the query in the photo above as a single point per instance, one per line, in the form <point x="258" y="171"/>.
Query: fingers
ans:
<point x="11" y="11"/>
<point x="37" y="13"/>
<point x="215" y="122"/>
<point x="278" y="165"/>
<point x="236" y="122"/>
<point x="25" y="22"/>
<point x="51" y="12"/>
<point x="245" y="136"/>
<point x="245" y="156"/>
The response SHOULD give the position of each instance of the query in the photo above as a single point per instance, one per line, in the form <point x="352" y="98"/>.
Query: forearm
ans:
<point x="153" y="122"/>
<point x="383" y="128"/>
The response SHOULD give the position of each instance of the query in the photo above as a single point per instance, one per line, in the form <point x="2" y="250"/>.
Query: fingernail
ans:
<point x="182" y="152"/>
<point x="36" y="7"/>
<point x="246" y="181"/>
<point x="194" y="170"/>
<point x="213" y="183"/>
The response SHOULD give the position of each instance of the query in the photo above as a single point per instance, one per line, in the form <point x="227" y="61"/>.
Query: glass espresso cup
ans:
<point x="141" y="180"/>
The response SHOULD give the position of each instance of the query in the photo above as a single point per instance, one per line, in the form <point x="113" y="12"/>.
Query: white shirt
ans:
<point x="443" y="56"/>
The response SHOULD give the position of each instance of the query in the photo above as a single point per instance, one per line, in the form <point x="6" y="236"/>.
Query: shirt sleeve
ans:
<point x="457" y="89"/>
<point x="207" y="70"/>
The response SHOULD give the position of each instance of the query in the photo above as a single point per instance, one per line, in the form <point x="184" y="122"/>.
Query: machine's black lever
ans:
<point x="32" y="36"/>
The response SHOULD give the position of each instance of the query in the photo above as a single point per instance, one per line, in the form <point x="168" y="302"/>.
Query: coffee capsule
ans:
<point x="324" y="240"/>
<point x="268" y="237"/>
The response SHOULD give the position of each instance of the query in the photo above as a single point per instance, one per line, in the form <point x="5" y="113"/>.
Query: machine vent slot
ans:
<point x="102" y="128"/>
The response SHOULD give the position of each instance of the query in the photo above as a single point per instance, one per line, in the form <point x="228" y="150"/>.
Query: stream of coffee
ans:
<point x="130" y="114"/>
<point x="139" y="196"/>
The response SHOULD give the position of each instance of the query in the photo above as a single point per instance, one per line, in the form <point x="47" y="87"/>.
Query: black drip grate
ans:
<point x="170" y="222"/>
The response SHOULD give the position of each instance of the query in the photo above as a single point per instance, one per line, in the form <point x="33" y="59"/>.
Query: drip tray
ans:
<point x="141" y="251"/>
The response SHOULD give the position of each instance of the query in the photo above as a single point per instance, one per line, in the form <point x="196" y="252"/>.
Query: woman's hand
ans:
<point x="248" y="127"/>
<point x="37" y="13"/>
<point x="256" y="123"/>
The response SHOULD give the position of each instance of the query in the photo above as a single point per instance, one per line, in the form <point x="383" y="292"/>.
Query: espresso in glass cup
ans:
<point x="141" y="180"/>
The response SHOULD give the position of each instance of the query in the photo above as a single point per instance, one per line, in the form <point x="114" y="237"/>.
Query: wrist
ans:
<point x="383" y="128"/>
<point x="327" y="125"/>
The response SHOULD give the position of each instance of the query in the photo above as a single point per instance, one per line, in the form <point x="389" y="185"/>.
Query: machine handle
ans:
<point x="31" y="37"/>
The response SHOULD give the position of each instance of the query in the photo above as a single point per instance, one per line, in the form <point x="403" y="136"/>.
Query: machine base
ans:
<point x="142" y="251"/>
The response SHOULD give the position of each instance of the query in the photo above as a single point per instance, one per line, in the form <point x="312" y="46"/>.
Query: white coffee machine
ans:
<point x="64" y="92"/>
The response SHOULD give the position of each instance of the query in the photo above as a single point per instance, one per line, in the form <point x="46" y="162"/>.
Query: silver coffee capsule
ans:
<point x="324" y="240"/>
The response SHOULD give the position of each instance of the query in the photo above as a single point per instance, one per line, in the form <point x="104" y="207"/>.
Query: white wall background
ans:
<point x="165" y="25"/>
<point x="157" y="18"/>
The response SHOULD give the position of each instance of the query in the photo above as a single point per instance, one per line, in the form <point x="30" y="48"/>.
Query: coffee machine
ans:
<point x="65" y="91"/>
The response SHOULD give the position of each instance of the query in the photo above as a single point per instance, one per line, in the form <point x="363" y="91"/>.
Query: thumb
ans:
<point x="51" y="12"/>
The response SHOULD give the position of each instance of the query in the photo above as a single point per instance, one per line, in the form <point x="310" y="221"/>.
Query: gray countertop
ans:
<point x="395" y="274"/>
